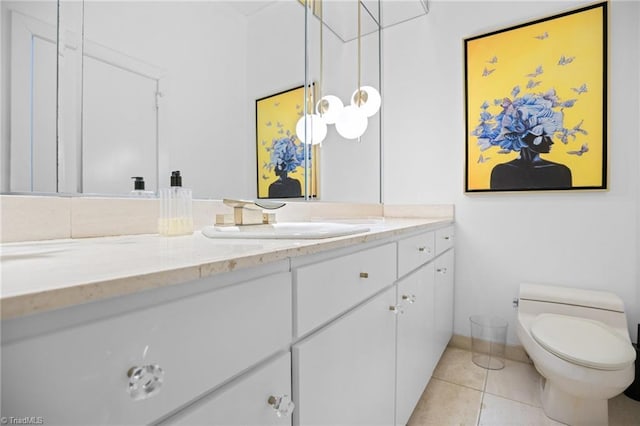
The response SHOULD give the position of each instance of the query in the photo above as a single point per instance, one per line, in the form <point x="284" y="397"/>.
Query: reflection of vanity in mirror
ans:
<point x="153" y="87"/>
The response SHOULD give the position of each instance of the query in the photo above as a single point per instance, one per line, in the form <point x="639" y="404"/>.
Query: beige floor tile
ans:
<point x="624" y="411"/>
<point x="497" y="411"/>
<point x="444" y="404"/>
<point x="456" y="367"/>
<point x="516" y="381"/>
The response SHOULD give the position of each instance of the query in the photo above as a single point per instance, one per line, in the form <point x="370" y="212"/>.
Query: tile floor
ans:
<point x="461" y="393"/>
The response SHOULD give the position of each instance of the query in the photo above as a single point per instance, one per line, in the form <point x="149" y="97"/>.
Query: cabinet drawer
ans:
<point x="79" y="375"/>
<point x="415" y="251"/>
<point x="245" y="400"/>
<point x="326" y="289"/>
<point x="444" y="239"/>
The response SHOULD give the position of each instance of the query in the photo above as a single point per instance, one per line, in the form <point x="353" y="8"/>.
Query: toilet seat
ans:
<point x="581" y="341"/>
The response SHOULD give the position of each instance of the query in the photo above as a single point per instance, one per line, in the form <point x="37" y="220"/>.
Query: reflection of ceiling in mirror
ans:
<point x="249" y="7"/>
<point x="340" y="16"/>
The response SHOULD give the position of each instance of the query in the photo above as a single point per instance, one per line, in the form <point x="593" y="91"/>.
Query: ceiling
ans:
<point x="340" y="16"/>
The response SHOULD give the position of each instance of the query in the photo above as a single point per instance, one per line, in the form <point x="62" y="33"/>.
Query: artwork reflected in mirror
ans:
<point x="282" y="157"/>
<point x="536" y="105"/>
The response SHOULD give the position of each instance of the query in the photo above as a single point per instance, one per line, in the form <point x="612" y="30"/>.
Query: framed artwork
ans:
<point x="280" y="153"/>
<point x="536" y="105"/>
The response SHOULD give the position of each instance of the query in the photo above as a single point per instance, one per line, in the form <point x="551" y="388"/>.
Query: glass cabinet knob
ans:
<point x="145" y="381"/>
<point x="411" y="298"/>
<point x="396" y="309"/>
<point x="282" y="405"/>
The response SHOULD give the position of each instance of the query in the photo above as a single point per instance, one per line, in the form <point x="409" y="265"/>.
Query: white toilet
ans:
<point x="579" y="342"/>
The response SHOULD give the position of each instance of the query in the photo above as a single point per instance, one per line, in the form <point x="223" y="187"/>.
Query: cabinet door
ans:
<point x="244" y="401"/>
<point x="79" y="375"/>
<point x="443" y="302"/>
<point x="344" y="373"/>
<point x="416" y="356"/>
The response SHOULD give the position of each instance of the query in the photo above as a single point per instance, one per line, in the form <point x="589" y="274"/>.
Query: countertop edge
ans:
<point x="63" y="297"/>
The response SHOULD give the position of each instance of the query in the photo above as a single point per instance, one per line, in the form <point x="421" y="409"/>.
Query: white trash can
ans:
<point x="488" y="341"/>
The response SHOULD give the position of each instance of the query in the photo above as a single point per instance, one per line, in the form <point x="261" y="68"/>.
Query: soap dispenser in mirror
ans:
<point x="138" y="188"/>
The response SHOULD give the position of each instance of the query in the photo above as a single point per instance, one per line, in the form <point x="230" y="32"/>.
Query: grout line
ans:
<point x="457" y="384"/>
<point x="480" y="409"/>
<point x="484" y="390"/>
<point x="513" y="400"/>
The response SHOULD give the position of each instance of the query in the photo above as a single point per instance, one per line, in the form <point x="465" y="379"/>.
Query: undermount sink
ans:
<point x="285" y="230"/>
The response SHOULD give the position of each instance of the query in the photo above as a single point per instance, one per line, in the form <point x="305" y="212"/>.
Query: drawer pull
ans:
<point x="282" y="405"/>
<point x="396" y="309"/>
<point x="411" y="298"/>
<point x="448" y="237"/>
<point x="364" y="275"/>
<point x="424" y="249"/>
<point x="145" y="381"/>
<point x="442" y="270"/>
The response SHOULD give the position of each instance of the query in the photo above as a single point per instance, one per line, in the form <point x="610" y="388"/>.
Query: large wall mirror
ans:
<point x="139" y="88"/>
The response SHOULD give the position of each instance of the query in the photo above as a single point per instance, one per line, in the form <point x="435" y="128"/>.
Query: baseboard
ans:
<point x="512" y="352"/>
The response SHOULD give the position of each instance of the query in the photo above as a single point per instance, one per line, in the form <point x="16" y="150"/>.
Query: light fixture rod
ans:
<point x="358" y="97"/>
<point x="321" y="87"/>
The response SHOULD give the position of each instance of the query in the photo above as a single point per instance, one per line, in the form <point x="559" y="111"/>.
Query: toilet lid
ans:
<point x="582" y="341"/>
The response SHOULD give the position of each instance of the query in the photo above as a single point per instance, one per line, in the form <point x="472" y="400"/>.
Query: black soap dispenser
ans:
<point x="138" y="188"/>
<point x="176" y="209"/>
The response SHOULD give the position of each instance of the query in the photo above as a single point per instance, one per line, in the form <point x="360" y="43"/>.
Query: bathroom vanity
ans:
<point x="192" y="330"/>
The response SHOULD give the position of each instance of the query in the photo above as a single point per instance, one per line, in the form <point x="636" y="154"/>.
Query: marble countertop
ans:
<point x="44" y="275"/>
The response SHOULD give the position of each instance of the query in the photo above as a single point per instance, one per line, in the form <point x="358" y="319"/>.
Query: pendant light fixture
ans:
<point x="352" y="121"/>
<point x="329" y="106"/>
<point x="312" y="128"/>
<point x="365" y="98"/>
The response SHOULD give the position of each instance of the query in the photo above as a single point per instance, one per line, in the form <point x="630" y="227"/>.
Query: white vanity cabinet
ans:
<point x="79" y="374"/>
<point x="344" y="374"/>
<point x="425" y="323"/>
<point x="347" y="335"/>
<point x="369" y="356"/>
<point x="415" y="340"/>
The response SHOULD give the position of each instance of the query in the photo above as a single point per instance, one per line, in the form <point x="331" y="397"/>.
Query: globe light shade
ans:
<point x="351" y="123"/>
<point x="370" y="100"/>
<point x="311" y="129"/>
<point x="329" y="108"/>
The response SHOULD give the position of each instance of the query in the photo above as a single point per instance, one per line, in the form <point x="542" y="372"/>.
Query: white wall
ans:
<point x="582" y="239"/>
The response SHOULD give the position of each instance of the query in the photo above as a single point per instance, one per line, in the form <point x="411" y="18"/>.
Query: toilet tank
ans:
<point x="604" y="306"/>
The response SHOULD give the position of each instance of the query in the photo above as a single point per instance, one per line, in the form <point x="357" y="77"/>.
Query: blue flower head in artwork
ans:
<point x="286" y="155"/>
<point x="524" y="120"/>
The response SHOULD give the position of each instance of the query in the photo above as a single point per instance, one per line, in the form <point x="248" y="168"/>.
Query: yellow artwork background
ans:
<point x="276" y="117"/>
<point x="519" y="52"/>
